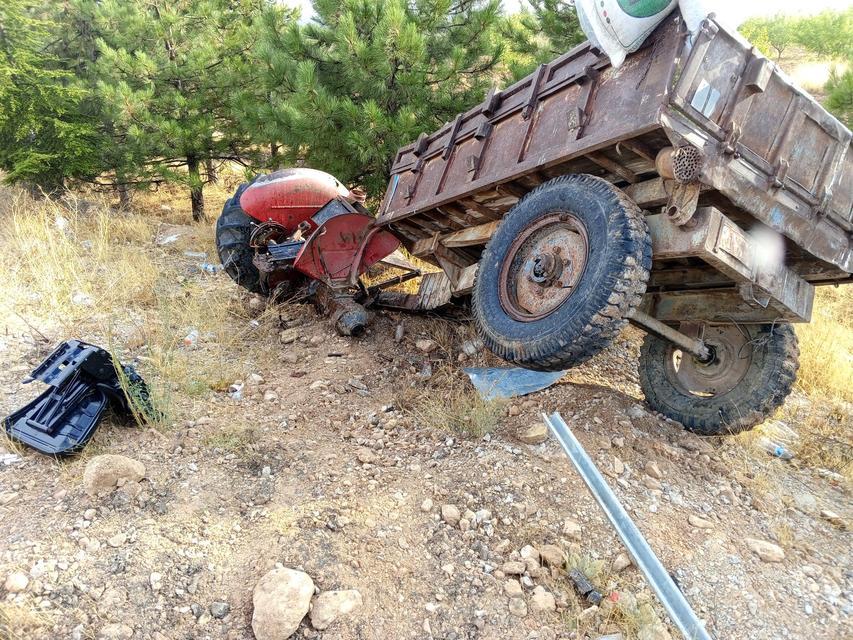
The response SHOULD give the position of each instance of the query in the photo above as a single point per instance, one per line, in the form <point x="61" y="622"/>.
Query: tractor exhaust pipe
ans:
<point x="348" y="317"/>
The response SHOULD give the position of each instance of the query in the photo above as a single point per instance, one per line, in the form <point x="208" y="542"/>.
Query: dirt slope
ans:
<point x="322" y="466"/>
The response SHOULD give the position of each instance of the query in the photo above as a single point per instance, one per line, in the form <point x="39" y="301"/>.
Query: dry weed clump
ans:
<point x="826" y="346"/>
<point x="450" y="403"/>
<point x="825" y="426"/>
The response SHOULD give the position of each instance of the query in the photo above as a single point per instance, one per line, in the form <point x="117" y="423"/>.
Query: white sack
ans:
<point x="619" y="27"/>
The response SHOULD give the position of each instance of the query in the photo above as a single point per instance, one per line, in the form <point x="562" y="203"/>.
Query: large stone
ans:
<point x="281" y="599"/>
<point x="571" y="529"/>
<point x="115" y="631"/>
<point x="426" y="345"/>
<point x="767" y="551"/>
<point x="106" y="472"/>
<point x="653" y="470"/>
<point x="518" y="607"/>
<point x="535" y="433"/>
<point x="450" y="514"/>
<point x="621" y="562"/>
<point x="331" y="605"/>
<point x="552" y="555"/>
<point x="654" y="631"/>
<point x="542" y="600"/>
<point x="514" y="568"/>
<point x="699" y="523"/>
<point x="16" y="582"/>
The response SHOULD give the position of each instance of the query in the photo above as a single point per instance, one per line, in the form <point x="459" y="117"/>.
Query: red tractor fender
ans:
<point x="291" y="196"/>
<point x="344" y="247"/>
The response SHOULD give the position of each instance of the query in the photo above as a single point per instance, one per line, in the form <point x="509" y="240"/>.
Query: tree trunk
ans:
<point x="273" y="155"/>
<point x="212" y="174"/>
<point x="196" y="193"/>
<point x="125" y="197"/>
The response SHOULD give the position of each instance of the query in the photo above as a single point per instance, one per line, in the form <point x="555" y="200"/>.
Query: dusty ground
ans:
<point x="323" y="466"/>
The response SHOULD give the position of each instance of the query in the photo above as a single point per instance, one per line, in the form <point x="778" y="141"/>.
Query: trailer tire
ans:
<point x="233" y="230"/>
<point x="604" y="240"/>
<point x="767" y="359"/>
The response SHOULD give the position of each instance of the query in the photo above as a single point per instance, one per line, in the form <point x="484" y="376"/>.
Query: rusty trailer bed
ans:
<point x="769" y="152"/>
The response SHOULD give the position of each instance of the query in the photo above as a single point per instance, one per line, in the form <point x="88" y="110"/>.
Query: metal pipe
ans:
<point x="693" y="346"/>
<point x="667" y="591"/>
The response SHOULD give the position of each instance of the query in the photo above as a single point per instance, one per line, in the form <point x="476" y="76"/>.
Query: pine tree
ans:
<point x="167" y="73"/>
<point x="539" y="34"/>
<point x="364" y="77"/>
<point x="45" y="135"/>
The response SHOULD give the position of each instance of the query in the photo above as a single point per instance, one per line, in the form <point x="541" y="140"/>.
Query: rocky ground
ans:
<point x="321" y="479"/>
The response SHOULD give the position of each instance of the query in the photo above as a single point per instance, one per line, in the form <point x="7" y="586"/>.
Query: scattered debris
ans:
<point x="191" y="339"/>
<point x="510" y="382"/>
<point x="10" y="458"/>
<point x="210" y="268"/>
<point x="168" y="239"/>
<point x="659" y="579"/>
<point x="584" y="587"/>
<point x="774" y="448"/>
<point x="82" y="380"/>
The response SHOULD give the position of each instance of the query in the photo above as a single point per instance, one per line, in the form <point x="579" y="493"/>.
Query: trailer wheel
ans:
<point x="233" y="230"/>
<point x="752" y="371"/>
<point x="562" y="273"/>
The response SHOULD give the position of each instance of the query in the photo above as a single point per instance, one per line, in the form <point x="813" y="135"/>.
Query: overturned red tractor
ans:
<point x="694" y="192"/>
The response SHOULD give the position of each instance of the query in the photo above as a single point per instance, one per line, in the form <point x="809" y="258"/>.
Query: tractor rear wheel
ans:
<point x="561" y="275"/>
<point x="751" y="372"/>
<point x="233" y="231"/>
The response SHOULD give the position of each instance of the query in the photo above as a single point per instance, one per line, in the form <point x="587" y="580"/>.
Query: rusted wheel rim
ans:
<point x="730" y="362"/>
<point x="544" y="266"/>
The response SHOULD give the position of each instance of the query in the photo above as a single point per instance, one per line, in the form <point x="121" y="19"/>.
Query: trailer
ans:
<point x="694" y="192"/>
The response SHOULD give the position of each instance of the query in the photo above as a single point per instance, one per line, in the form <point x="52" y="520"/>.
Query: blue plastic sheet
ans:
<point x="510" y="382"/>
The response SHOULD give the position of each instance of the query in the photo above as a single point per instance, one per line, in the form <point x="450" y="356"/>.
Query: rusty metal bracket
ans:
<point x="752" y="293"/>
<point x="533" y="98"/>
<point x="492" y="102"/>
<point x="722" y="244"/>
<point x="421" y="144"/>
<point x="777" y="180"/>
<point x="730" y="144"/>
<point x="683" y="202"/>
<point x="451" y="139"/>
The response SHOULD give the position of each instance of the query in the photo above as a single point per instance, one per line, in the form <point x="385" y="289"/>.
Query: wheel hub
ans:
<point x="731" y="357"/>
<point x="543" y="266"/>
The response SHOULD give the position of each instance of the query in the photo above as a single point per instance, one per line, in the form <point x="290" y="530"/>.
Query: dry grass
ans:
<point x="93" y="273"/>
<point x="820" y="413"/>
<point x="450" y="403"/>
<point x="19" y="622"/>
<point x="826" y="346"/>
<point x="826" y="371"/>
<point x="628" y="614"/>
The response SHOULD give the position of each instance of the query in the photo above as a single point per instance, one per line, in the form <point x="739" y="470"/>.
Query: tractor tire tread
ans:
<point x="628" y="269"/>
<point x="764" y="389"/>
